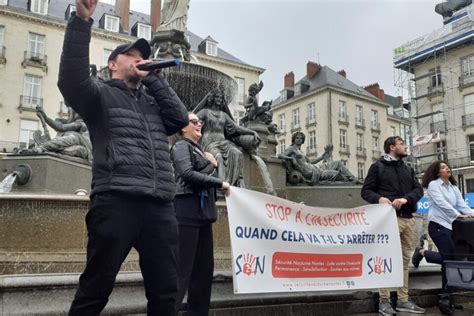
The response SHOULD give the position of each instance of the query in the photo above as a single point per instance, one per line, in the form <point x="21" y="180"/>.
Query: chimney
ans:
<point x="155" y="14"/>
<point x="289" y="80"/>
<point x="312" y="69"/>
<point x="122" y="9"/>
<point x="375" y="90"/>
<point x="400" y="100"/>
<point x="342" y="72"/>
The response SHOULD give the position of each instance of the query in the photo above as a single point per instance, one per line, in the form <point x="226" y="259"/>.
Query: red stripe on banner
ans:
<point x="305" y="265"/>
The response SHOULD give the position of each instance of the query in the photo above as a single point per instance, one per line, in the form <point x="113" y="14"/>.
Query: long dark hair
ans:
<point x="432" y="173"/>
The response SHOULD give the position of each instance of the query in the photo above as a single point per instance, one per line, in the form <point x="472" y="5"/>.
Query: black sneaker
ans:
<point x="417" y="257"/>
<point x="385" y="308"/>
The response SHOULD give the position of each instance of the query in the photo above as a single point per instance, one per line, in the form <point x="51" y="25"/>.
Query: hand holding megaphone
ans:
<point x="159" y="65"/>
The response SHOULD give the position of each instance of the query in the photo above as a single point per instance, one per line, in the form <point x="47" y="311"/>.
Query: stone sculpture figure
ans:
<point x="255" y="113"/>
<point x="174" y="15"/>
<point x="72" y="137"/>
<point x="447" y="8"/>
<point x="300" y="170"/>
<point x="224" y="138"/>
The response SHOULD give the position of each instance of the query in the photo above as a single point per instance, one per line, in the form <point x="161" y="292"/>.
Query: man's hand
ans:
<point x="384" y="200"/>
<point x="141" y="73"/>
<point x="85" y="8"/>
<point x="398" y="203"/>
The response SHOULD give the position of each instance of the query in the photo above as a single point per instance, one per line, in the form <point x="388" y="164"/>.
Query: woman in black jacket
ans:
<point x="196" y="181"/>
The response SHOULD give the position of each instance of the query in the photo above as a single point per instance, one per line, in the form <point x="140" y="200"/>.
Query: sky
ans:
<point x="283" y="35"/>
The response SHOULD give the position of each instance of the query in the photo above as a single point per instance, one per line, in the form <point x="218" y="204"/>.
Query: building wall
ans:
<point x="454" y="133"/>
<point x="328" y="125"/>
<point x="17" y="25"/>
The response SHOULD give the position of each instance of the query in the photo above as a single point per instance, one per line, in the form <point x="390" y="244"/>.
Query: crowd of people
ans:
<point x="162" y="202"/>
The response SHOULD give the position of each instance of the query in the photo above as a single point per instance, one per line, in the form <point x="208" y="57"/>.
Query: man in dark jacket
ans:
<point x="391" y="181"/>
<point x="132" y="175"/>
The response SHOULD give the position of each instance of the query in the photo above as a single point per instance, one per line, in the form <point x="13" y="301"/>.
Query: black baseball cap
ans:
<point x="141" y="45"/>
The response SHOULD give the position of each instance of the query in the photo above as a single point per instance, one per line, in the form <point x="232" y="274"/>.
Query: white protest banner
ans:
<point x="282" y="246"/>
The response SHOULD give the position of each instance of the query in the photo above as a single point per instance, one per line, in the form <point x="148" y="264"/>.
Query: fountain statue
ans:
<point x="300" y="170"/>
<point x="447" y="8"/>
<point x="255" y="113"/>
<point x="72" y="139"/>
<point x="225" y="139"/>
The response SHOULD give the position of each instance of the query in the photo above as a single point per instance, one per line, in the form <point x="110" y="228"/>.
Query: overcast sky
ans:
<point x="282" y="35"/>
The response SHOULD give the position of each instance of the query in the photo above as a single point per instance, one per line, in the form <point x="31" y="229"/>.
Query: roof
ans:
<point x="57" y="10"/>
<point x="328" y="77"/>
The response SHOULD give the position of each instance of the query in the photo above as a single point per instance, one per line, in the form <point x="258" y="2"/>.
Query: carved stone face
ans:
<point x="299" y="139"/>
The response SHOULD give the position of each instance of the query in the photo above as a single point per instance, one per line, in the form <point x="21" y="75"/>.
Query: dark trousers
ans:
<point x="443" y="239"/>
<point x="196" y="268"/>
<point x="115" y="224"/>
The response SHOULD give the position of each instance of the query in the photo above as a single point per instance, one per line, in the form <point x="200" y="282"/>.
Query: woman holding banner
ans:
<point x="196" y="180"/>
<point x="446" y="204"/>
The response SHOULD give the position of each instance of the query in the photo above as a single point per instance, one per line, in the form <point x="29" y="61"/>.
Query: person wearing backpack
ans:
<point x="389" y="180"/>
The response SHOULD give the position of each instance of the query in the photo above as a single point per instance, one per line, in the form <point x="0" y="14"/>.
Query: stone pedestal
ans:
<point x="49" y="174"/>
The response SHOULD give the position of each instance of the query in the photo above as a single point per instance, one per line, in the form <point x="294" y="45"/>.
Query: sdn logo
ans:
<point x="379" y="265"/>
<point x="249" y="264"/>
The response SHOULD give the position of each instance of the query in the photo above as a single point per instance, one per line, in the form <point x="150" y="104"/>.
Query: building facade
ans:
<point x="330" y="109"/>
<point x="31" y="36"/>
<point x="440" y="68"/>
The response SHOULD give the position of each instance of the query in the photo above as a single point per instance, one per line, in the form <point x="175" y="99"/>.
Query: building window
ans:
<point x="111" y="23"/>
<point x="393" y="131"/>
<point x="3" y="2"/>
<point x="240" y="89"/>
<point x="36" y="45"/>
<point x="281" y="122"/>
<point x="211" y="48"/>
<point x="435" y="79"/>
<point x="296" y="118"/>
<point x="359" y="114"/>
<point x="105" y="57"/>
<point x="144" y="31"/>
<point x="342" y="110"/>
<point x="31" y="91"/>
<point x="27" y="128"/>
<point x="469" y="104"/>
<point x="39" y="6"/>
<point x="375" y="143"/>
<point x="468" y="66"/>
<point x="375" y="118"/>
<point x="311" y="112"/>
<point x="360" y="170"/>
<point x="282" y="146"/>
<point x="441" y="150"/>
<point x="471" y="147"/>
<point x="2" y="39"/>
<point x="343" y="138"/>
<point x="469" y="185"/>
<point x="312" y="141"/>
<point x="360" y="141"/>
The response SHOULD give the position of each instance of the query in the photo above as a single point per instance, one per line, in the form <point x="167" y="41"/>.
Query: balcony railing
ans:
<point x="434" y="91"/>
<point x="310" y="121"/>
<point x="375" y="127"/>
<point x="360" y="123"/>
<point x="29" y="102"/>
<point x="344" y="119"/>
<point x="295" y="126"/>
<point x="438" y="127"/>
<point x="8" y="147"/>
<point x="344" y="149"/>
<point x="361" y="152"/>
<point x="3" y="60"/>
<point x="466" y="81"/>
<point x="467" y="120"/>
<point x="35" y="59"/>
<point x="376" y="154"/>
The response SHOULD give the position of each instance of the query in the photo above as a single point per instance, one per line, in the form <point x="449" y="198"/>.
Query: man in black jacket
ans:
<point x="391" y="181"/>
<point x="132" y="176"/>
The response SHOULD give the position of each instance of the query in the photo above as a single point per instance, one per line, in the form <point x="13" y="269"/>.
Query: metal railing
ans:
<point x="310" y="120"/>
<point x="30" y="102"/>
<point x="375" y="126"/>
<point x="35" y="59"/>
<point x="361" y="152"/>
<point x="360" y="123"/>
<point x="439" y="126"/>
<point x="468" y="120"/>
<point x="344" y="149"/>
<point x="344" y="119"/>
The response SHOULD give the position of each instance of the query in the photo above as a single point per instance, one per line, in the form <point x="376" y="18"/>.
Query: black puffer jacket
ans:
<point x="128" y="129"/>
<point x="194" y="173"/>
<point x="395" y="180"/>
